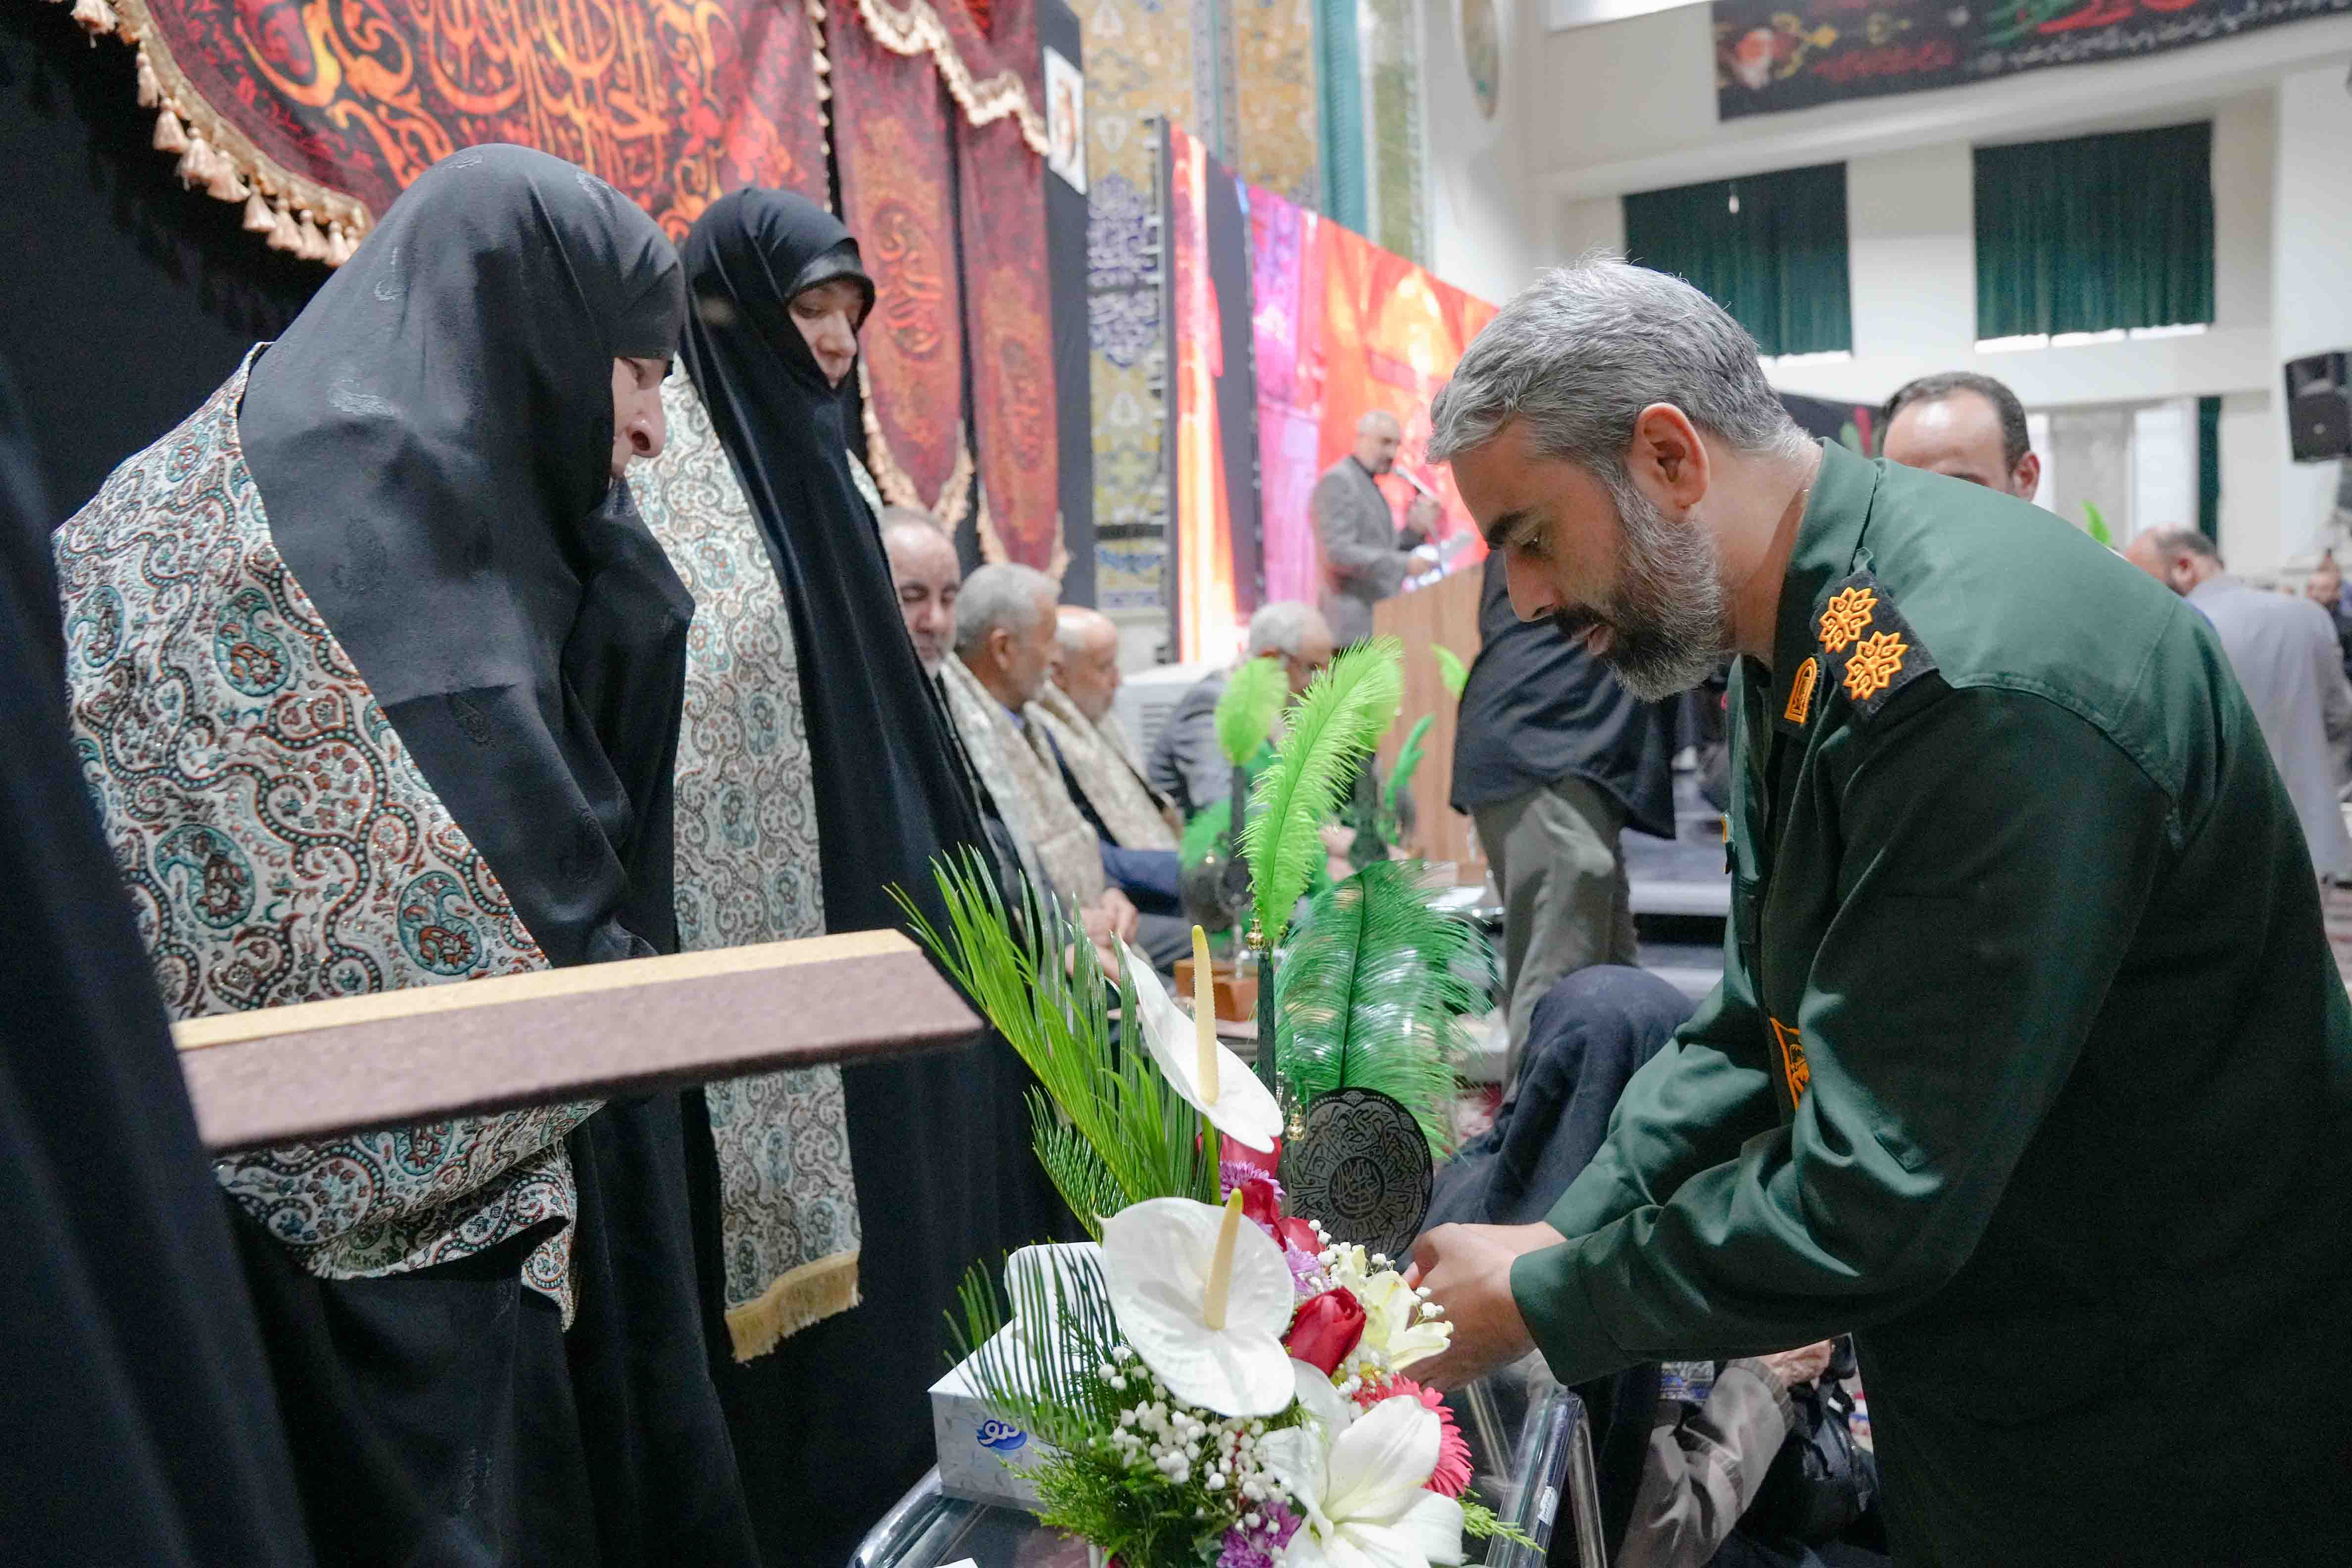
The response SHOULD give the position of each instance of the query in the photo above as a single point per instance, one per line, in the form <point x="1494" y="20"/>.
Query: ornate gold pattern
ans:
<point x="1876" y="663"/>
<point x="1845" y="617"/>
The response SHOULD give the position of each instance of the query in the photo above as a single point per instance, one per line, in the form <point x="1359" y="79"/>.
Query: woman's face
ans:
<point x="638" y="429"/>
<point x="827" y="317"/>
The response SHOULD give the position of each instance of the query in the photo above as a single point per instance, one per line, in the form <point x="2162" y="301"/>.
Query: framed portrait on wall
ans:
<point x="1066" y="119"/>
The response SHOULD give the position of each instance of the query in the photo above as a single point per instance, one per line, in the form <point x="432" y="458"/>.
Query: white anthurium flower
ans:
<point x="1214" y="1342"/>
<point x="1361" y="1490"/>
<point x="1394" y="1326"/>
<point x="1240" y="1107"/>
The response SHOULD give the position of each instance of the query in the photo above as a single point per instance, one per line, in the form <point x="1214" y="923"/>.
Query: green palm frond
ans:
<point x="1246" y="710"/>
<point x="1045" y="1387"/>
<point x="1339" y="720"/>
<point x="1408" y="759"/>
<point x="1450" y="668"/>
<point x="1368" y="997"/>
<point x="1046" y="994"/>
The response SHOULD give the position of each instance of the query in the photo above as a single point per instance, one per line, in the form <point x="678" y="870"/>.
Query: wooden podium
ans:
<point x="1446" y="612"/>
<point x="322" y="1069"/>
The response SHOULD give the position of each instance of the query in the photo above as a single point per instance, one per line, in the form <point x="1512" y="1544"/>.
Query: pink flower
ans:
<point x="1452" y="1477"/>
<point x="1325" y="1329"/>
<point x="1252" y="1162"/>
<point x="1262" y="1547"/>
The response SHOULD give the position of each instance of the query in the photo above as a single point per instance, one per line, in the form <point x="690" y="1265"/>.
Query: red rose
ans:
<point x="1262" y="1204"/>
<point x="1325" y="1329"/>
<point x="1296" y="1233"/>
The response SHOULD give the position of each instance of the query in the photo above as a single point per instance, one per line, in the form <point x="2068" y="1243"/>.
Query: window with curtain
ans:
<point x="1339" y="102"/>
<point x="1769" y="248"/>
<point x="2096" y="233"/>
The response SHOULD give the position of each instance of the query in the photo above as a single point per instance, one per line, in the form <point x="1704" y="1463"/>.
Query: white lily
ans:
<point x="1395" y="1329"/>
<point x="1205" y="1297"/>
<point x="1361" y="1490"/>
<point x="1205" y="1075"/>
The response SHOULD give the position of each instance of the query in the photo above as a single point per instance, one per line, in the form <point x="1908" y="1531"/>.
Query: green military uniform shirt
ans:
<point x="2030" y="1065"/>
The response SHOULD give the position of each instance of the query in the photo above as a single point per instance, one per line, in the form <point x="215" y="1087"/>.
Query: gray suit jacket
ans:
<point x="1358" y="534"/>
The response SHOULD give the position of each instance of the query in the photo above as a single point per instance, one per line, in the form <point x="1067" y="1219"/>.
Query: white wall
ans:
<point x="1593" y="113"/>
<point x="2312" y="272"/>
<point x="1486" y="215"/>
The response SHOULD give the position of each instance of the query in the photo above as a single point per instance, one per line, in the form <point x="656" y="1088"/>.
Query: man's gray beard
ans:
<point x="1667" y="617"/>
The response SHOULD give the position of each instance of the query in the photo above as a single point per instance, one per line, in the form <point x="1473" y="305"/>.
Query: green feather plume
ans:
<point x="1339" y="720"/>
<point x="2096" y="525"/>
<point x="1450" y="668"/>
<point x="1368" y="997"/>
<point x="1408" y="761"/>
<point x="1254" y="694"/>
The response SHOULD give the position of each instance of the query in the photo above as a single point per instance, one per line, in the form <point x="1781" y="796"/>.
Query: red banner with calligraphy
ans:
<point x="318" y="115"/>
<point x="890" y="138"/>
<point x="1012" y="336"/>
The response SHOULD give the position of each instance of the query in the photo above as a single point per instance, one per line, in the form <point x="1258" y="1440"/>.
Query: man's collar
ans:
<point x="1828" y="548"/>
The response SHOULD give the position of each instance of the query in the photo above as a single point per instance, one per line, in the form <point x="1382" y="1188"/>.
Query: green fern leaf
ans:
<point x="1408" y="761"/>
<point x="1254" y="694"/>
<point x="1367" y="997"/>
<point x="1339" y="720"/>
<point x="1450" y="668"/>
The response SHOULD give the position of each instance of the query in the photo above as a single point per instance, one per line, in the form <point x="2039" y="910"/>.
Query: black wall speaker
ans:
<point x="2318" y="408"/>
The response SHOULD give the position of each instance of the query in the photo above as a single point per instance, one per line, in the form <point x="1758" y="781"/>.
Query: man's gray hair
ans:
<point x="1281" y="627"/>
<point x="1584" y="348"/>
<point x="1077" y="627"/>
<point x="2183" y="542"/>
<point x="1379" y="419"/>
<point x="1005" y="594"/>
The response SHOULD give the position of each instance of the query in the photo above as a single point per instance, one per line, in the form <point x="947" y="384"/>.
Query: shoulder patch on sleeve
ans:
<point x="1868" y="651"/>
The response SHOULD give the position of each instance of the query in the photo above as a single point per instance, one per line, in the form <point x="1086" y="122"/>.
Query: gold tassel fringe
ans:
<point x="918" y="30"/>
<point x="809" y="1294"/>
<point x="293" y="213"/>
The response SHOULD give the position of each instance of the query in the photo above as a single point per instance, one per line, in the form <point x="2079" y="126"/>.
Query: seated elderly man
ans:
<point x="1005" y="649"/>
<point x="1138" y="829"/>
<point x="1187" y="766"/>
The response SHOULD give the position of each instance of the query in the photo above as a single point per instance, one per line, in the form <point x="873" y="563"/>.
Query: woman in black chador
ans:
<point x="375" y="677"/>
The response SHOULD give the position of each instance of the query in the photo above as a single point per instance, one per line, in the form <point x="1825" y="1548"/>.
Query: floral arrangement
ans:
<point x="1222" y="1384"/>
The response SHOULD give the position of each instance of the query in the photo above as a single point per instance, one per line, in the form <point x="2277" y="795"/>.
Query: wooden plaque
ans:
<point x="321" y="1069"/>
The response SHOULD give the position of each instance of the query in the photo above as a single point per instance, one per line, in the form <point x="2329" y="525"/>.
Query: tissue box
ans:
<point x="980" y="1452"/>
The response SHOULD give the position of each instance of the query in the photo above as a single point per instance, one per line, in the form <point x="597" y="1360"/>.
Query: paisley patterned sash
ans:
<point x="281" y="846"/>
<point x="748" y="872"/>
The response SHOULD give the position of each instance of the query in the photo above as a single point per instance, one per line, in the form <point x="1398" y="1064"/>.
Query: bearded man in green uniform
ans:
<point x="2031" y="1065"/>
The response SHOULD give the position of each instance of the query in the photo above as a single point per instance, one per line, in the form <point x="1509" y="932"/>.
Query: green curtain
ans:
<point x="1778" y="265"/>
<point x="2208" y="468"/>
<point x="1339" y="105"/>
<point x="2096" y="232"/>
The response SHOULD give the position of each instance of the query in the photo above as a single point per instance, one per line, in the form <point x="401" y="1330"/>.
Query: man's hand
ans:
<point x="1798" y="1367"/>
<point x="1120" y="913"/>
<point x="1467" y="1269"/>
<point x="1426" y="559"/>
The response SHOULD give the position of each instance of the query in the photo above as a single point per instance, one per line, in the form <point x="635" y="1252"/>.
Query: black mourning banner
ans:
<point x="1770" y="55"/>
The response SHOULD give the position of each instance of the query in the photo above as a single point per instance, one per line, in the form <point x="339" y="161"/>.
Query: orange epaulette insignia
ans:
<point x="1794" y="1072"/>
<point x="1874" y="665"/>
<point x="1868" y="652"/>
<point x="1801" y="692"/>
<point x="1846" y="615"/>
